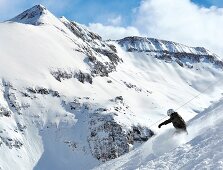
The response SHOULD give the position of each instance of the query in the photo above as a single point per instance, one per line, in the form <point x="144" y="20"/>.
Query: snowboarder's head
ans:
<point x="170" y="112"/>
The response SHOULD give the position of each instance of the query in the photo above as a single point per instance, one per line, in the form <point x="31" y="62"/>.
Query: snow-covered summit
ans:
<point x="74" y="40"/>
<point x="144" y="44"/>
<point x="37" y="15"/>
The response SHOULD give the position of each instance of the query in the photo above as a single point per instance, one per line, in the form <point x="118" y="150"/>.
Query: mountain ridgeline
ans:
<point x="170" y="51"/>
<point x="65" y="90"/>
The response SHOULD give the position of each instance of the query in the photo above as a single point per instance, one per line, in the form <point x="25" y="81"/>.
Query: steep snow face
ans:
<point x="66" y="53"/>
<point x="36" y="15"/>
<point x="202" y="148"/>
<point x="102" y="57"/>
<point x="67" y="97"/>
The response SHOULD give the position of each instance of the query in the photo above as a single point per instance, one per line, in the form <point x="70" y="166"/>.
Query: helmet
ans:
<point x="170" y="112"/>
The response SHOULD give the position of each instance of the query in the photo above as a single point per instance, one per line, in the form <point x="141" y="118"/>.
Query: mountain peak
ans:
<point x="32" y="16"/>
<point x="39" y="7"/>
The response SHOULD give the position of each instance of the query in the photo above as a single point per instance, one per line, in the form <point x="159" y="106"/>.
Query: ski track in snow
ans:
<point x="201" y="149"/>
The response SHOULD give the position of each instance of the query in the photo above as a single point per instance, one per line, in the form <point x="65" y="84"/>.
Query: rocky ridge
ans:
<point x="101" y="57"/>
<point x="170" y="51"/>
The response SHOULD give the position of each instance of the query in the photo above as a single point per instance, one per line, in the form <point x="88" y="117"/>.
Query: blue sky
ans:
<point x="89" y="11"/>
<point x="86" y="11"/>
<point x="208" y="3"/>
<point x="82" y="11"/>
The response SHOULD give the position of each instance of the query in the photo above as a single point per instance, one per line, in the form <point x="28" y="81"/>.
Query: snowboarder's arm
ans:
<point x="165" y="122"/>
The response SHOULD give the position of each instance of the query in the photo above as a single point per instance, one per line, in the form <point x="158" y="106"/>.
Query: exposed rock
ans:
<point x="141" y="134"/>
<point x="109" y="140"/>
<point x="80" y="30"/>
<point x="93" y="47"/>
<point x="84" y="77"/>
<point x="129" y="85"/>
<point x="101" y="110"/>
<point x="11" y="143"/>
<point x="5" y="112"/>
<point x="71" y="144"/>
<point x="180" y="63"/>
<point x="10" y="96"/>
<point x="183" y="59"/>
<point x="110" y="54"/>
<point x="31" y="15"/>
<point x="21" y="127"/>
<point x="119" y="98"/>
<point x="136" y="88"/>
<point x="109" y="81"/>
<point x="77" y="105"/>
<point x="170" y="51"/>
<point x="43" y="91"/>
<point x="113" y="48"/>
<point x="62" y="75"/>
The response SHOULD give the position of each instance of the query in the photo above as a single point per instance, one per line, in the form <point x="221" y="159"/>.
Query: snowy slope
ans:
<point x="67" y="97"/>
<point x="201" y="149"/>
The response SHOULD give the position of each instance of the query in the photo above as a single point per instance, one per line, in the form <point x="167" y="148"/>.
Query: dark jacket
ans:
<point x="177" y="121"/>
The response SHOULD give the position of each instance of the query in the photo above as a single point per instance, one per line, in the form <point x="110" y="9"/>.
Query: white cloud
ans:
<point x="182" y="21"/>
<point x="177" y="20"/>
<point x="113" y="32"/>
<point x="115" y="20"/>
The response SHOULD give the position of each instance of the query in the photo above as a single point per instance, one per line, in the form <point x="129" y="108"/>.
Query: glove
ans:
<point x="160" y="125"/>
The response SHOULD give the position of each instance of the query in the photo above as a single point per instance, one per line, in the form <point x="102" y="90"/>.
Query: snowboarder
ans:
<point x="176" y="120"/>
